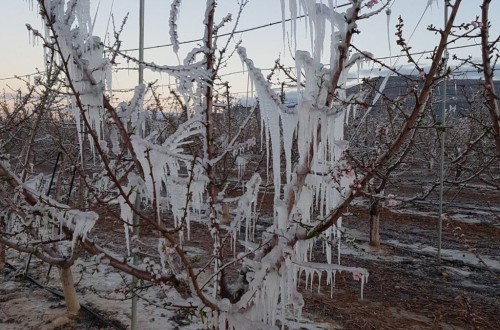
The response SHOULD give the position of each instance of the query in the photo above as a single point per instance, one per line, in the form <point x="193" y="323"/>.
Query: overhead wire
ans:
<point x="376" y="58"/>
<point x="230" y="33"/>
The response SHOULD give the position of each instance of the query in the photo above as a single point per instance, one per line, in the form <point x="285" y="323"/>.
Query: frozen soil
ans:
<point x="26" y="305"/>
<point x="407" y="288"/>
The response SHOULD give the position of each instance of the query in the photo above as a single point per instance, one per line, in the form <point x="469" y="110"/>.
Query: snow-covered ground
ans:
<point x="101" y="288"/>
<point x="23" y="305"/>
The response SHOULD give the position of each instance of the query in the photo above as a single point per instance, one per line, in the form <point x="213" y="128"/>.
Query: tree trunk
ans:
<point x="70" y="297"/>
<point x="375" y="222"/>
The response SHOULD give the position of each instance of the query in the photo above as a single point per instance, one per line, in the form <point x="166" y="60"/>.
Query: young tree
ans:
<point x="471" y="136"/>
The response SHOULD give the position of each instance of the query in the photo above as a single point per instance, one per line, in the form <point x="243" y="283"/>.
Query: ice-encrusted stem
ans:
<point x="272" y="281"/>
<point x="343" y="49"/>
<point x="209" y="148"/>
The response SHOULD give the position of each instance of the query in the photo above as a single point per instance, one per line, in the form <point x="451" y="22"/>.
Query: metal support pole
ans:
<point x="141" y="42"/>
<point x="444" y="95"/>
<point x="53" y="173"/>
<point x="134" y="322"/>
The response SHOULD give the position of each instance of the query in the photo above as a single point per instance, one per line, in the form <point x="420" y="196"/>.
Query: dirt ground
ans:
<point x="26" y="305"/>
<point x="414" y="290"/>
<point x="408" y="287"/>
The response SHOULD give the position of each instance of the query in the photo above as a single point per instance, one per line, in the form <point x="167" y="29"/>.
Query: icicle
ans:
<point x="76" y="114"/>
<point x="79" y="222"/>
<point x="293" y="21"/>
<point x="271" y="109"/>
<point x="246" y="205"/>
<point x="174" y="13"/>
<point x="328" y="248"/>
<point x="241" y="163"/>
<point x="310" y="268"/>
<point x="289" y="125"/>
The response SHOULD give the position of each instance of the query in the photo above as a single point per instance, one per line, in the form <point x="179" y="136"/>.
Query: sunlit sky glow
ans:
<point x="20" y="57"/>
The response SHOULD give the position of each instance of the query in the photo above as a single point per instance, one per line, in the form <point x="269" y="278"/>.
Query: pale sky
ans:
<point x="19" y="57"/>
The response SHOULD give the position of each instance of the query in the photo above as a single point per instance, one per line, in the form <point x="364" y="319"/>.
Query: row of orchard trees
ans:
<point x="147" y="168"/>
